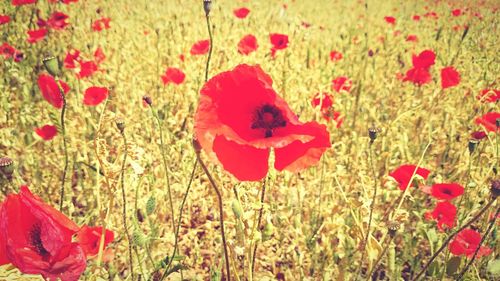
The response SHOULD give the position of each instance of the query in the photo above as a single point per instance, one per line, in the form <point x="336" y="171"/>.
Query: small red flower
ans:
<point x="4" y="19"/>
<point x="412" y="38"/>
<point x="403" y="173"/>
<point x="36" y="35"/>
<point x="50" y="90"/>
<point x="447" y="191"/>
<point x="71" y="57"/>
<point x="87" y="69"/>
<point x="432" y="15"/>
<point x="416" y="18"/>
<point x="94" y="96"/>
<point x="7" y="51"/>
<point x="465" y="244"/>
<point x="173" y="75"/>
<point x="478" y="135"/>
<point x="489" y="95"/>
<point x="449" y="77"/>
<point x="418" y="76"/>
<point x="341" y="83"/>
<point x="489" y="121"/>
<point x="390" y="20"/>
<point x="425" y="59"/>
<point x="58" y="20"/>
<point x="335" y="56"/>
<point x="456" y="12"/>
<point x="101" y="24"/>
<point x="99" y="56"/>
<point x="46" y="132"/>
<point x="241" y="13"/>
<point x="38" y="239"/>
<point x="23" y="2"/>
<point x="279" y="42"/>
<point x="324" y="100"/>
<point x="445" y="214"/>
<point x="200" y="48"/>
<point x="247" y="44"/>
<point x="90" y="237"/>
<point x="240" y="118"/>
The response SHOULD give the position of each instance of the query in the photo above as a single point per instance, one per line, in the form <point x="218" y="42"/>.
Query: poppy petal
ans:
<point x="94" y="96"/>
<point x="47" y="132"/>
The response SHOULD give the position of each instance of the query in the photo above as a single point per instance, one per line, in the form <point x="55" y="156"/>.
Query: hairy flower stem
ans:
<point x="221" y="214"/>
<point x="124" y="210"/>
<point x="443" y="246"/>
<point x="65" y="145"/>
<point x="210" y="47"/>
<point x="259" y="221"/>
<point x="485" y="236"/>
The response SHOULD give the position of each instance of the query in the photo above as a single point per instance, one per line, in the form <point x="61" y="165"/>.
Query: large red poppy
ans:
<point x="489" y="121"/>
<point x="89" y="239"/>
<point x="94" y="96"/>
<point x="447" y="191"/>
<point x="58" y="20"/>
<point x="36" y="35"/>
<point x="200" y="48"/>
<point x="173" y="75"/>
<point x="445" y="214"/>
<point x="449" y="77"/>
<point x="240" y="118"/>
<point x="241" y="13"/>
<point x="404" y="172"/>
<point x="247" y="44"/>
<point x="50" y="90"/>
<point x="466" y="243"/>
<point x="46" y="132"/>
<point x="38" y="239"/>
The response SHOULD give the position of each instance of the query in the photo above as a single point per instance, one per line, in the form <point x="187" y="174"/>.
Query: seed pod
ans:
<point x="147" y="99"/>
<point x="392" y="227"/>
<point x="495" y="188"/>
<point x="52" y="66"/>
<point x="472" y="145"/>
<point x="120" y="124"/>
<point x="6" y="167"/>
<point x="372" y="133"/>
<point x="207" y="6"/>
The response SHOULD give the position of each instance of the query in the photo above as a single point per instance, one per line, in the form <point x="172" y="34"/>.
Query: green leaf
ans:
<point x="493" y="268"/>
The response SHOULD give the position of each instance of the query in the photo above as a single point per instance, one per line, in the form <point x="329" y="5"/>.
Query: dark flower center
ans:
<point x="447" y="191"/>
<point x="35" y="240"/>
<point x="268" y="117"/>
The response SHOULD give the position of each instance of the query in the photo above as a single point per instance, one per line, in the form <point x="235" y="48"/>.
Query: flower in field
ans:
<point x="99" y="56"/>
<point x="466" y="243"/>
<point x="89" y="239"/>
<point x="456" y="12"/>
<point x="415" y="18"/>
<point x="335" y="56"/>
<point x="489" y="121"/>
<point x="71" y="57"/>
<point x="46" y="132"/>
<point x="200" y="48"/>
<point x="7" y="51"/>
<point x="240" y="118"/>
<point x="341" y="84"/>
<point x="489" y="95"/>
<point x="37" y="239"/>
<point x="94" y="96"/>
<point x="101" y="24"/>
<point x="431" y="15"/>
<point x="173" y="75"/>
<point x="444" y="213"/>
<point x="325" y="102"/>
<point x="87" y="69"/>
<point x="449" y="77"/>
<point x="36" y="35"/>
<point x="279" y="42"/>
<point x="420" y="74"/>
<point x="478" y="135"/>
<point x="390" y="20"/>
<point x="403" y="174"/>
<point x="58" y="20"/>
<point x="23" y="2"/>
<point x="241" y="13"/>
<point x="425" y="59"/>
<point x="51" y="91"/>
<point x="447" y="191"/>
<point x="412" y="38"/>
<point x="4" y="19"/>
<point x="247" y="44"/>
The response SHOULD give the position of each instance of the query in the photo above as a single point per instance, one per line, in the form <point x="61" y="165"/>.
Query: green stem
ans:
<point x="65" y="145"/>
<point x="210" y="48"/>
<point x="259" y="220"/>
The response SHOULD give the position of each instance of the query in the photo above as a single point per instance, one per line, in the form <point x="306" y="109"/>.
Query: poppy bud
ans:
<point x="466" y="30"/>
<point x="393" y="227"/>
<point x="6" y="167"/>
<point x="147" y="99"/>
<point x="495" y="188"/>
<point x="139" y="215"/>
<point x="207" y="6"/>
<point x="196" y="145"/>
<point x="372" y="133"/>
<point x="472" y="145"/>
<point x="120" y="124"/>
<point x="52" y="66"/>
<point x="151" y="205"/>
<point x="370" y="53"/>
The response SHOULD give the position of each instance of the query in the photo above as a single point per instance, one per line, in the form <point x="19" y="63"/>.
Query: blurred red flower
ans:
<point x="279" y="42"/>
<point x="94" y="96"/>
<point x="247" y="44"/>
<point x="101" y="24"/>
<point x="36" y="35"/>
<point x="412" y="38"/>
<point x="22" y="2"/>
<point x="432" y="15"/>
<point x="325" y="102"/>
<point x="99" y="56"/>
<point x="173" y="75"/>
<point x="200" y="48"/>
<point x="418" y="76"/>
<point x="456" y="12"/>
<point x="71" y="57"/>
<point x="416" y="17"/>
<point x="37" y="239"/>
<point x="447" y="191"/>
<point x="390" y="20"/>
<point x="341" y="83"/>
<point x="425" y="59"/>
<point x="444" y="213"/>
<point x="240" y="118"/>
<point x="466" y="242"/>
<point x="403" y="174"/>
<point x="4" y="19"/>
<point x="478" y="135"/>
<point x="241" y="13"/>
<point x="449" y="77"/>
<point x="46" y="132"/>
<point x="89" y="239"/>
<point x="58" y="20"/>
<point x="335" y="56"/>
<point x="7" y="51"/>
<point x="489" y="121"/>
<point x="489" y="95"/>
<point x="87" y="69"/>
<point x="50" y="90"/>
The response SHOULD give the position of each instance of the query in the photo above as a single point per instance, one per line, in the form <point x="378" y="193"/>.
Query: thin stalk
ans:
<point x="210" y="47"/>
<point x="259" y="221"/>
<point x="379" y="258"/>
<point x="65" y="145"/>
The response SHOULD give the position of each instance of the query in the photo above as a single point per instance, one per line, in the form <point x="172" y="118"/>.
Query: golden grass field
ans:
<point x="314" y="222"/>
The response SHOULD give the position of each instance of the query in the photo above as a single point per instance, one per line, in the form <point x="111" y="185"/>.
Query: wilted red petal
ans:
<point x="404" y="172"/>
<point x="94" y="96"/>
<point x="449" y="77"/>
<point x="241" y="13"/>
<point x="247" y="44"/>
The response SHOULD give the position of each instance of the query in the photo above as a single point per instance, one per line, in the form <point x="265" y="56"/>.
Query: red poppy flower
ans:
<point x="412" y="38"/>
<point x="341" y="83"/>
<point x="50" y="90"/>
<point x="90" y="237"/>
<point x="489" y="121"/>
<point x="306" y="24"/>
<point x="94" y="96"/>
<point x="489" y="95"/>
<point x="456" y="12"/>
<point x="200" y="48"/>
<point x="173" y="75"/>
<point x="390" y="20"/>
<point x="247" y="44"/>
<point x="403" y="174"/>
<point x="46" y="132"/>
<point x="240" y="118"/>
<point x="418" y="76"/>
<point x="22" y="2"/>
<point x="71" y="57"/>
<point x="447" y="191"/>
<point x="279" y="42"/>
<point x="99" y="56"/>
<point x="449" y="77"/>
<point x="416" y="18"/>
<point x="67" y="2"/>
<point x="87" y="69"/>
<point x="4" y="19"/>
<point x="7" y="51"/>
<point x="241" y="13"/>
<point x="432" y="15"/>
<point x="335" y="56"/>
<point x="425" y="59"/>
<point x="58" y="20"/>
<point x="466" y="243"/>
<point x="323" y="99"/>
<point x="444" y="213"/>
<point x="36" y="35"/>
<point x="101" y="24"/>
<point x="38" y="238"/>
<point x="478" y="135"/>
